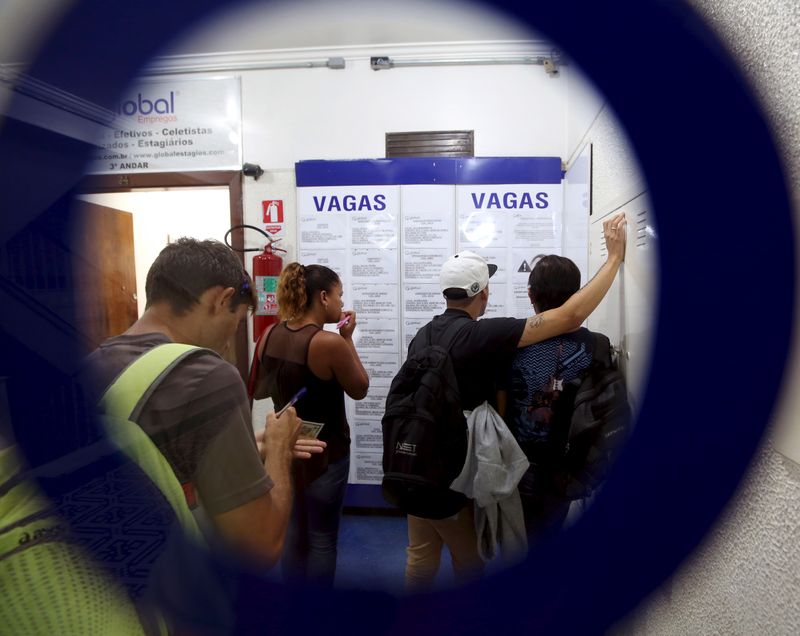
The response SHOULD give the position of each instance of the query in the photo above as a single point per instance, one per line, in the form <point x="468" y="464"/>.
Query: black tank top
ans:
<point x="285" y="359"/>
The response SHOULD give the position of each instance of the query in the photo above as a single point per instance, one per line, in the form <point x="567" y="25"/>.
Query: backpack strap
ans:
<point x="448" y="336"/>
<point x="255" y="365"/>
<point x="124" y="400"/>
<point x="601" y="357"/>
<point x="127" y="394"/>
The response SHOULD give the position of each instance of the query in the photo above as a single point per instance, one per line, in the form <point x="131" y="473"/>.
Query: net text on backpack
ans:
<point x="425" y="432"/>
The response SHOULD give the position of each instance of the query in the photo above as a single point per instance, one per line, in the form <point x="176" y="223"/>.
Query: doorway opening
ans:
<point x="153" y="209"/>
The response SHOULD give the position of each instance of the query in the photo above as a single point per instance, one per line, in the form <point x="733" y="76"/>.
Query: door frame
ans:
<point x="105" y="183"/>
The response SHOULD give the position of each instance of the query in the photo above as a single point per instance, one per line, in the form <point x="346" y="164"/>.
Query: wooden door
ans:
<point x="105" y="271"/>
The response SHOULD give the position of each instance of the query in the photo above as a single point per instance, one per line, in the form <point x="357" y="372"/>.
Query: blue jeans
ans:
<point x="309" y="553"/>
<point x="544" y="510"/>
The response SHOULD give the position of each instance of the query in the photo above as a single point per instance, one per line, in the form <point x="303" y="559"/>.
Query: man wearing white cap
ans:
<point x="476" y="348"/>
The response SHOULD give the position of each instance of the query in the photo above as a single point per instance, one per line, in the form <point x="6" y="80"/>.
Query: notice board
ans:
<point x="387" y="225"/>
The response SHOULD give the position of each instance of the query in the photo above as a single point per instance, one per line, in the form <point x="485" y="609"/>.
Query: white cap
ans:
<point x="466" y="270"/>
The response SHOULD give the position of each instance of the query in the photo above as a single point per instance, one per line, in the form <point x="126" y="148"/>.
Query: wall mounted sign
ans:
<point x="387" y="225"/>
<point x="174" y="126"/>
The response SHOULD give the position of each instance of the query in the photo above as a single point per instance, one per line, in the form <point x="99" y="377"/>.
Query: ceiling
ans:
<point x="284" y="24"/>
<point x="304" y="24"/>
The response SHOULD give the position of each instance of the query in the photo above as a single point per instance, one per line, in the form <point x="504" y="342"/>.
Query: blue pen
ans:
<point x="291" y="402"/>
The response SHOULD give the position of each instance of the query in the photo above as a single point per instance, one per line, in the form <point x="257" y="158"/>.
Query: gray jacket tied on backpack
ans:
<point x="494" y="465"/>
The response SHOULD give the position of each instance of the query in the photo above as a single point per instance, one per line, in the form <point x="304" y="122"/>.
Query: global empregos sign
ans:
<point x="149" y="109"/>
<point x="173" y="125"/>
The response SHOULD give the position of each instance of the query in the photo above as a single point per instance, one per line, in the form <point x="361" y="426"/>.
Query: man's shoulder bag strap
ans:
<point x="123" y="401"/>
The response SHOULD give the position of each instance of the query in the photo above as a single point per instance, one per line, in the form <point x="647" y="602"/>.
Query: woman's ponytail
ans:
<point x="292" y="299"/>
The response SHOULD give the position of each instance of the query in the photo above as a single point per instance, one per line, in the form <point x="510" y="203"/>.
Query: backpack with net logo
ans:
<point x="425" y="431"/>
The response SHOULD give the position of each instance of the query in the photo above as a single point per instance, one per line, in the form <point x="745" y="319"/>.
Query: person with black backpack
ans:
<point x="452" y="365"/>
<point x="566" y="404"/>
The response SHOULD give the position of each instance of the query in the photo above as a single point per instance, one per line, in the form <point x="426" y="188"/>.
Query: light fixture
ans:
<point x="183" y="64"/>
<point x="550" y="63"/>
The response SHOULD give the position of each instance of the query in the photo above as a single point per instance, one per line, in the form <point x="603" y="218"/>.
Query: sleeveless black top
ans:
<point x="285" y="361"/>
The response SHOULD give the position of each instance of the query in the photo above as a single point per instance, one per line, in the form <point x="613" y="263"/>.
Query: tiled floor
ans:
<point x="372" y="552"/>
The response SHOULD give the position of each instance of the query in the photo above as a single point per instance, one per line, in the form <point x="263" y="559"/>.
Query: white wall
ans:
<point x="626" y="314"/>
<point x="291" y="115"/>
<point x="303" y="24"/>
<point x="584" y="105"/>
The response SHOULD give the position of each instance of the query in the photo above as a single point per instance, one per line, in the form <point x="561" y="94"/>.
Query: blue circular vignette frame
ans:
<point x="724" y="320"/>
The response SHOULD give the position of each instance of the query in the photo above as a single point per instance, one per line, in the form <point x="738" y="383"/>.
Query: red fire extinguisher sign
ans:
<point x="273" y="211"/>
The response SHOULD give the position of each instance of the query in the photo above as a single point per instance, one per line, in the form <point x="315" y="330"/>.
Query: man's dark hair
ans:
<point x="188" y="267"/>
<point x="552" y="281"/>
<point x="458" y="299"/>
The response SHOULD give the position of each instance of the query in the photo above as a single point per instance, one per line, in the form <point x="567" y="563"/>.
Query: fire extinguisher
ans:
<point x="267" y="267"/>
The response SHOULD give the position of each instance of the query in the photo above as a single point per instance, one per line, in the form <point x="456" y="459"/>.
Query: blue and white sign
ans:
<point x="387" y="225"/>
<point x="174" y="126"/>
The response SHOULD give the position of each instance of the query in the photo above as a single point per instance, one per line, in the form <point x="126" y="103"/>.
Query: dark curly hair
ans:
<point x="299" y="284"/>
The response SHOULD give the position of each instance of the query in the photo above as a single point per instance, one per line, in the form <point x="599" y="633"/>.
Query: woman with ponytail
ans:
<point x="298" y="353"/>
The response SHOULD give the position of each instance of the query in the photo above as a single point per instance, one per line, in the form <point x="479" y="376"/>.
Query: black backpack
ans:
<point x="599" y="425"/>
<point x="425" y="431"/>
